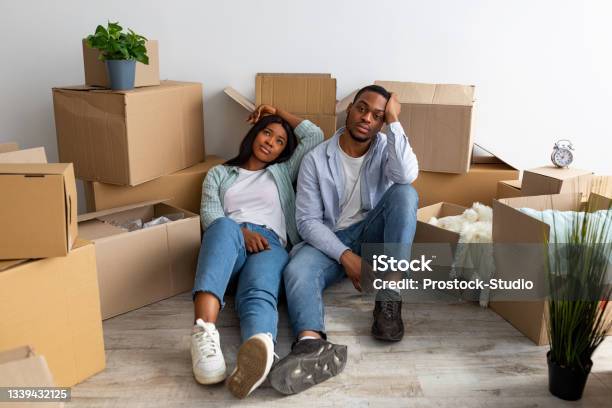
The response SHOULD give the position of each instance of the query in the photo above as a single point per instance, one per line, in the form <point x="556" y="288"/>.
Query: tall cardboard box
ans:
<point x="511" y="226"/>
<point x="97" y="75"/>
<point x="143" y="266"/>
<point x="53" y="305"/>
<point x="310" y="96"/>
<point x="555" y="180"/>
<point x="183" y="189"/>
<point x="508" y="189"/>
<point x="39" y="219"/>
<point x="130" y="137"/>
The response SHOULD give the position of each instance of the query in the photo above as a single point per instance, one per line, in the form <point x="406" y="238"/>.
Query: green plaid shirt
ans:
<point x="221" y="177"/>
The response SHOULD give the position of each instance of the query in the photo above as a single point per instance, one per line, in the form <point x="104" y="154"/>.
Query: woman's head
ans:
<point x="270" y="140"/>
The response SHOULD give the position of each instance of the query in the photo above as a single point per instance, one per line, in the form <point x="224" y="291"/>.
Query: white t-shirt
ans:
<point x="351" y="210"/>
<point x="254" y="198"/>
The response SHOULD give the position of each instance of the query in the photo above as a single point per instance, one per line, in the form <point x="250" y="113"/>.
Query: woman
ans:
<point x="248" y="216"/>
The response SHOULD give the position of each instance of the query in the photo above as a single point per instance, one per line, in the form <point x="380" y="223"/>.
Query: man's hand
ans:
<point x="261" y="111"/>
<point x="253" y="241"/>
<point x="393" y="109"/>
<point x="352" y="266"/>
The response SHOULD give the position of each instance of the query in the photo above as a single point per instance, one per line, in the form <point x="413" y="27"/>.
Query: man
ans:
<point x="352" y="189"/>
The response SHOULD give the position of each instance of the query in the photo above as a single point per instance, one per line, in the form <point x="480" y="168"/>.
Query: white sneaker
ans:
<point x="206" y="356"/>
<point x="255" y="358"/>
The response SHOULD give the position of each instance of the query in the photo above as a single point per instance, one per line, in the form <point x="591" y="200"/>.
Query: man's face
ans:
<point x="366" y="116"/>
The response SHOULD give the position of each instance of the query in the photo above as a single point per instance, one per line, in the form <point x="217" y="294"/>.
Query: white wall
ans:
<point x="542" y="68"/>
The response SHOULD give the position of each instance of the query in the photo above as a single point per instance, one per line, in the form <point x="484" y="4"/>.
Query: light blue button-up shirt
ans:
<point x="389" y="160"/>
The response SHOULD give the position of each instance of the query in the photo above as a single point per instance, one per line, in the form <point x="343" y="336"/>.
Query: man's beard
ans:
<point x="358" y="139"/>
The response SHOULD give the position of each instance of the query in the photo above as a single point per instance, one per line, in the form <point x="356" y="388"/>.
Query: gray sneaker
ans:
<point x="310" y="362"/>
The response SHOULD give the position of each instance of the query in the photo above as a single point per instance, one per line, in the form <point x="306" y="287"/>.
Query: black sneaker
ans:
<point x="310" y="362"/>
<point x="388" y="325"/>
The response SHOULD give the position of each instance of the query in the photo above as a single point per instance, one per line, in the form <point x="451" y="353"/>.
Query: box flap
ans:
<point x="342" y="104"/>
<point x="34" y="155"/>
<point x="430" y="94"/>
<point x="103" y="213"/>
<point x="488" y="156"/>
<point x="561" y="202"/>
<point x="8" y="147"/>
<point x="241" y="99"/>
<point x="512" y="183"/>
<point x="34" y="168"/>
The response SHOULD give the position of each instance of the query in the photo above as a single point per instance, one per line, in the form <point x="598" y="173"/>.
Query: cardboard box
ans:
<point x="40" y="218"/>
<point x="310" y="96"/>
<point x="479" y="184"/>
<point x="438" y="121"/>
<point x="427" y="233"/>
<point x="96" y="73"/>
<point x="8" y="147"/>
<point x="555" y="180"/>
<point x="508" y="189"/>
<point x="10" y="153"/>
<point x="183" y="189"/>
<point x="129" y="137"/>
<point x="143" y="266"/>
<point x="53" y="305"/>
<point x="511" y="226"/>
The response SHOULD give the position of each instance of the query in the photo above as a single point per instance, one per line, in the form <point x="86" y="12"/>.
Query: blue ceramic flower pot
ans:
<point x="121" y="74"/>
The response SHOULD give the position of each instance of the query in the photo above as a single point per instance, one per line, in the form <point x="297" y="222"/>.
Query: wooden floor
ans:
<point x="454" y="354"/>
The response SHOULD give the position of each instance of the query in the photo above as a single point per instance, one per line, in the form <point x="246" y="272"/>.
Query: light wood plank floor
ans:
<point x="454" y="354"/>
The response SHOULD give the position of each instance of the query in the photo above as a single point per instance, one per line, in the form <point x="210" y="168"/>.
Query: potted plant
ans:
<point x="576" y="265"/>
<point x="120" y="51"/>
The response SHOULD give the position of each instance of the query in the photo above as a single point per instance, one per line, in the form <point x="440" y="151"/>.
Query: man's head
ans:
<point x="365" y="116"/>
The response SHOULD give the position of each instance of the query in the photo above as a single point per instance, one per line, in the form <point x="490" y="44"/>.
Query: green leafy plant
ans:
<point x="576" y="273"/>
<point x="114" y="44"/>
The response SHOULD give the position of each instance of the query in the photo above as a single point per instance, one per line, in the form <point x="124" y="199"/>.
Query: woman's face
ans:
<point x="269" y="143"/>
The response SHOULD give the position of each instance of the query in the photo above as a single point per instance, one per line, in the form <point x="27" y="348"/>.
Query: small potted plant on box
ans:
<point x="576" y="264"/>
<point x="121" y="51"/>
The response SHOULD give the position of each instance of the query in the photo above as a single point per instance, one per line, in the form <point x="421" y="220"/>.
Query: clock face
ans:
<point x="562" y="157"/>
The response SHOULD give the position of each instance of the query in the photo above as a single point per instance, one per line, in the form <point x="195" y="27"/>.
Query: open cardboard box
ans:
<point x="39" y="220"/>
<point x="143" y="266"/>
<point x="53" y="305"/>
<point x="130" y="137"/>
<point x="555" y="180"/>
<point x="437" y="119"/>
<point x="22" y="367"/>
<point x="310" y="96"/>
<point x="511" y="226"/>
<point x="183" y="188"/>
<point x="97" y="75"/>
<point x="479" y="184"/>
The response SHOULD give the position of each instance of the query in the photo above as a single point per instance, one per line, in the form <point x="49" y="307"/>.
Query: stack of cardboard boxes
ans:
<point x="141" y="156"/>
<point x="48" y="277"/>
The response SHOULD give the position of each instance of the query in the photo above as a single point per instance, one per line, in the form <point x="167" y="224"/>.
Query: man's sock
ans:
<point x="307" y="337"/>
<point x="388" y="295"/>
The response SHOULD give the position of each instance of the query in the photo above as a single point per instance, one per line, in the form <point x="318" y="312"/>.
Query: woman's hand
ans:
<point x="261" y="111"/>
<point x="253" y="241"/>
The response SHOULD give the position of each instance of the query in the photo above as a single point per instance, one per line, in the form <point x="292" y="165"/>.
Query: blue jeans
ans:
<point x="223" y="259"/>
<point x="310" y="271"/>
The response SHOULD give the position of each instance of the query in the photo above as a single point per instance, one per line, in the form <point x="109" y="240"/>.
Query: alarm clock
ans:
<point x="562" y="153"/>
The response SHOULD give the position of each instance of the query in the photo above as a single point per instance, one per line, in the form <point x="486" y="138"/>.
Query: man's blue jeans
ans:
<point x="309" y="271"/>
<point x="223" y="259"/>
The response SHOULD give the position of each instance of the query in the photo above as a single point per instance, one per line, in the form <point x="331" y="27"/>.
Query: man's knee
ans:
<point x="403" y="196"/>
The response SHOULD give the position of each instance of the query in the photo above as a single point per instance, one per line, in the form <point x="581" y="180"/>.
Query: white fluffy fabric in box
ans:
<point x="474" y="226"/>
